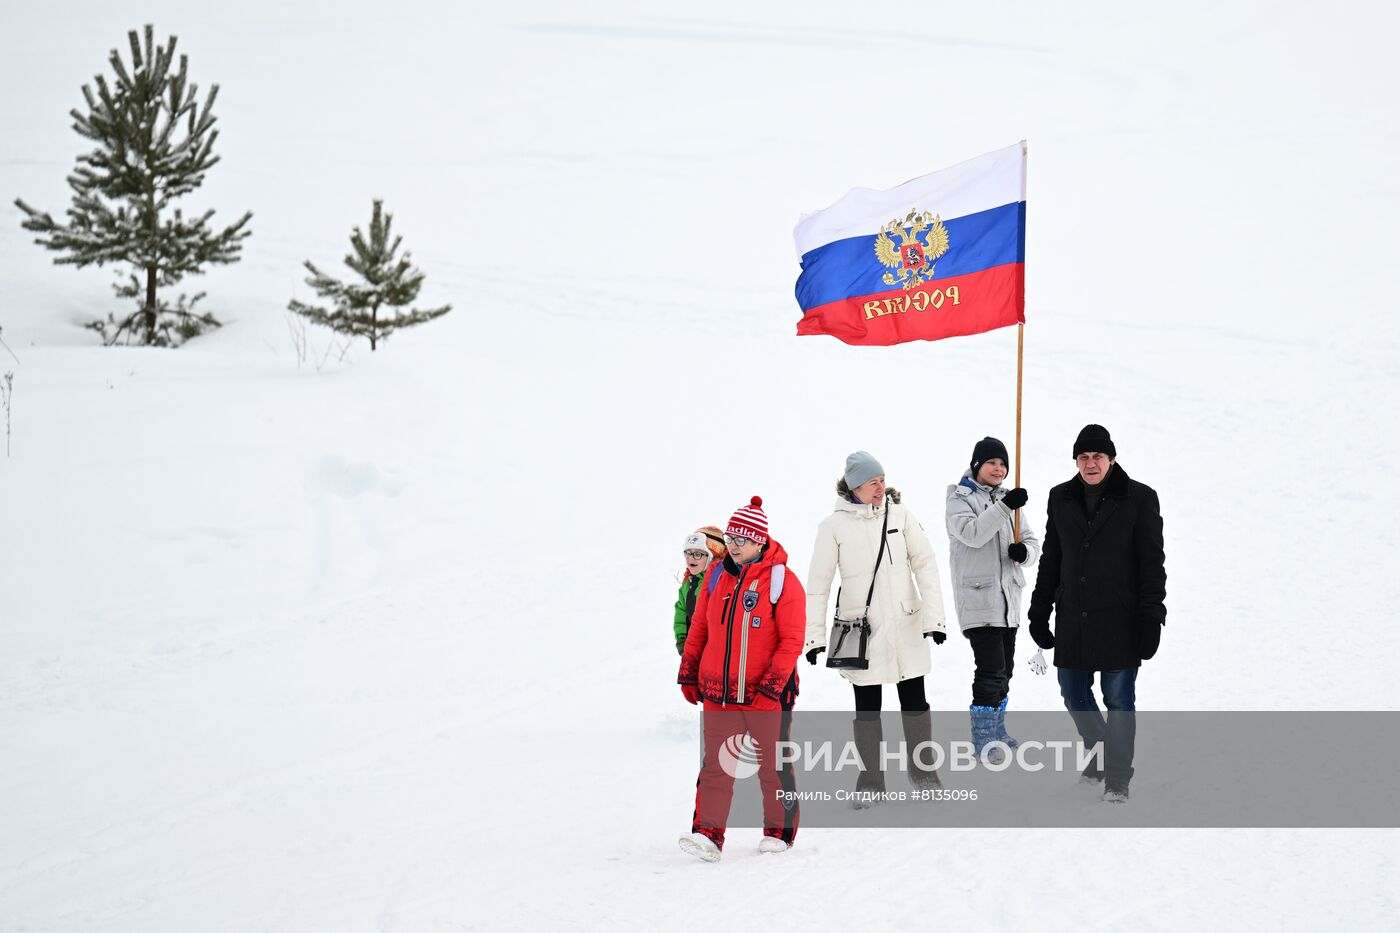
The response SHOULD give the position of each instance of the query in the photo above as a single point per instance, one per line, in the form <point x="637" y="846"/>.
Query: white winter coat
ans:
<point x="848" y="540"/>
<point x="987" y="583"/>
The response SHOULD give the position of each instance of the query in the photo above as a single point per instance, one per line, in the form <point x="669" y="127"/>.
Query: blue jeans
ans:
<point x="1119" y="732"/>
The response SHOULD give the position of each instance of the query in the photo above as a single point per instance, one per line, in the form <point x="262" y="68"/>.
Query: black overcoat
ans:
<point x="1106" y="580"/>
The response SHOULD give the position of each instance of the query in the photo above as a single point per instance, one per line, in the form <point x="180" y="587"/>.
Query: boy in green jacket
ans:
<point x="701" y="547"/>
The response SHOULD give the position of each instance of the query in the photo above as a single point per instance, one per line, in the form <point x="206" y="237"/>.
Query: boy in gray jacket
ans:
<point x="986" y="566"/>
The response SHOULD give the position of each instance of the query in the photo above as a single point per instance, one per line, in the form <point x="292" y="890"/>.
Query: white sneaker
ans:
<point x="701" y="846"/>
<point x="772" y="844"/>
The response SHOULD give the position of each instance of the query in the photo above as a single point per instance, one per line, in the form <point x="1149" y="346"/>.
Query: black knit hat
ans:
<point x="988" y="448"/>
<point x="1094" y="438"/>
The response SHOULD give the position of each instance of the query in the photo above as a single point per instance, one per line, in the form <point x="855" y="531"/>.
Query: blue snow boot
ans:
<point x="984" y="732"/>
<point x="1001" y="725"/>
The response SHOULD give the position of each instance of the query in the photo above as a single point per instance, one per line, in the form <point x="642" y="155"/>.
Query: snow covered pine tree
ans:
<point x="386" y="281"/>
<point x="154" y="144"/>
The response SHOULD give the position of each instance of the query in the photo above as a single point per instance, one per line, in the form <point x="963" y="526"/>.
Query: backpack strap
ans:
<point x="713" y="578"/>
<point x="775" y="583"/>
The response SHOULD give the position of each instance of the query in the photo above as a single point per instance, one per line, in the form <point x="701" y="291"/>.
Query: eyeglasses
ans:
<point x="697" y="555"/>
<point x="737" y="541"/>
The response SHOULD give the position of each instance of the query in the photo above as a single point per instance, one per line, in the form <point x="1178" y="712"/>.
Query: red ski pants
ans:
<point x="727" y="753"/>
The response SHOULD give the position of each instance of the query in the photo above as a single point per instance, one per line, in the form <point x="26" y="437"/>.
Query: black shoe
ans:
<point x="1113" y="792"/>
<point x="1092" y="774"/>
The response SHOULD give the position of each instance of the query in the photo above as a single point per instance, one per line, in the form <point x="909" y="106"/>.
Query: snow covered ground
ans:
<point x="384" y="644"/>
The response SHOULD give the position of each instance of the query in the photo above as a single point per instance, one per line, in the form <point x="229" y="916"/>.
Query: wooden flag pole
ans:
<point x="1020" y="359"/>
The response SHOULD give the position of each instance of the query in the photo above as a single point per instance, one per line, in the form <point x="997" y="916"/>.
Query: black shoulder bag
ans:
<point x="850" y="641"/>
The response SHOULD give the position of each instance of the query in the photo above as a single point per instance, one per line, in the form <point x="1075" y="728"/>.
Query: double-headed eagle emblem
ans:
<point x="912" y="258"/>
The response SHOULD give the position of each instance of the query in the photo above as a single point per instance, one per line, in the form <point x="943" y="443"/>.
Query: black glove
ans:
<point x="812" y="655"/>
<point x="1015" y="499"/>
<point x="1017" y="552"/>
<point x="938" y="637"/>
<point x="1041" y="635"/>
<point x="1149" y="638"/>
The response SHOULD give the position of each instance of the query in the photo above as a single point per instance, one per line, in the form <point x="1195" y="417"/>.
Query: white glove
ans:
<point x="1037" y="663"/>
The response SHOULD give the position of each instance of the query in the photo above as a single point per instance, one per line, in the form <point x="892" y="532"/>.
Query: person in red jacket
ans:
<point x="740" y="660"/>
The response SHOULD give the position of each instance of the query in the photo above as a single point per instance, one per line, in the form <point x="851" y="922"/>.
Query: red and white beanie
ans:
<point x="749" y="522"/>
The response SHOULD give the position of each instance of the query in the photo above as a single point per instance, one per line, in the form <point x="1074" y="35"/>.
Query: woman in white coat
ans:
<point x="905" y="607"/>
<point x="986" y="563"/>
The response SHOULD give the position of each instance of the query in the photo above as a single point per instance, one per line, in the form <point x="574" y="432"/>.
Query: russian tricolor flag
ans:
<point x="941" y="256"/>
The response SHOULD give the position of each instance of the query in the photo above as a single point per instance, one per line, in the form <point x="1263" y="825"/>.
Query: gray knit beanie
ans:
<point x="861" y="468"/>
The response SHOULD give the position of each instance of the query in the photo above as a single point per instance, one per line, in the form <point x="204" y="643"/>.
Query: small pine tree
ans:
<point x="154" y="144"/>
<point x="388" y="282"/>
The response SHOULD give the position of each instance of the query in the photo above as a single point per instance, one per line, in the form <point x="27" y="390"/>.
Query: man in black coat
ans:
<point x="1103" y="573"/>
